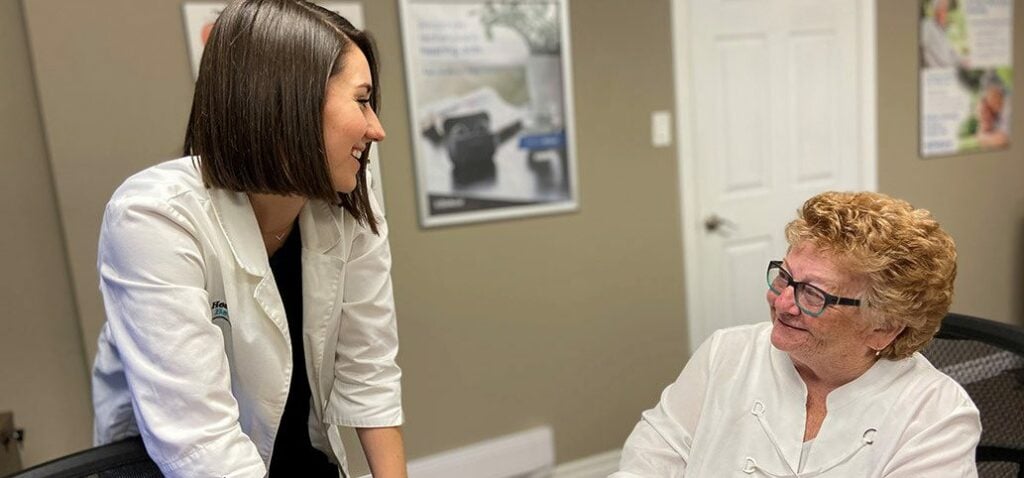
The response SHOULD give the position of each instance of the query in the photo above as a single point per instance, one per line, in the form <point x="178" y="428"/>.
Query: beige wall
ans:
<point x="572" y="320"/>
<point x="43" y="370"/>
<point x="979" y="198"/>
<point x="115" y="88"/>
<point x="575" y="320"/>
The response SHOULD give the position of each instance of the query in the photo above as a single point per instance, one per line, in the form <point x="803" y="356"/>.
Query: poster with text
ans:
<point x="966" y="55"/>
<point x="199" y="20"/>
<point x="490" y="108"/>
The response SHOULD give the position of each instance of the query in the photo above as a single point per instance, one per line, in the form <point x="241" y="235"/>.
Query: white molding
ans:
<point x="594" y="466"/>
<point x="680" y="13"/>
<point x="869" y="95"/>
<point x="495" y="457"/>
<point x="531" y="453"/>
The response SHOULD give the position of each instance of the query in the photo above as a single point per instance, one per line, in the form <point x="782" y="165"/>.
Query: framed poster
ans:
<point x="200" y="17"/>
<point x="490" y="103"/>
<point x="199" y="20"/>
<point x="966" y="75"/>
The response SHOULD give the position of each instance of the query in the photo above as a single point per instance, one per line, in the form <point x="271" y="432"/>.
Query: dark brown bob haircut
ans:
<point x="257" y="115"/>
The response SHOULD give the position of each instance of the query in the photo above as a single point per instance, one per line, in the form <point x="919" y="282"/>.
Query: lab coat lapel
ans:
<point x="323" y="278"/>
<point x="238" y="222"/>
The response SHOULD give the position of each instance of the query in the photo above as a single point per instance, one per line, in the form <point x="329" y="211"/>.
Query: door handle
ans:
<point x="715" y="222"/>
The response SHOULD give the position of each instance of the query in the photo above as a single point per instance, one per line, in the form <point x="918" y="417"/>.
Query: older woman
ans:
<point x="833" y="385"/>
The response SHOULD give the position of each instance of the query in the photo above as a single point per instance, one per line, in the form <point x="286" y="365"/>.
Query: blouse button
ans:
<point x="750" y="466"/>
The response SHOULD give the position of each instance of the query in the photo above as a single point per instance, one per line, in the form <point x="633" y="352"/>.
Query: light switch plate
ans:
<point x="661" y="129"/>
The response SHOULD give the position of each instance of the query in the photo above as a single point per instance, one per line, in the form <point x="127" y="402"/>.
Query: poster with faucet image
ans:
<point x="490" y="105"/>
<point x="966" y="74"/>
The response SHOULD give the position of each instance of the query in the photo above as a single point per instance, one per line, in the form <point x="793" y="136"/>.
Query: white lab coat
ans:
<point x="738" y="409"/>
<point x="195" y="355"/>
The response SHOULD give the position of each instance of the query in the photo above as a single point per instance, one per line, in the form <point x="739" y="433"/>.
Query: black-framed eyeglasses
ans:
<point x="810" y="299"/>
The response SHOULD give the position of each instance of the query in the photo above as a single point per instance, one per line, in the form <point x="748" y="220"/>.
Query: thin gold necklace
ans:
<point x="280" y="237"/>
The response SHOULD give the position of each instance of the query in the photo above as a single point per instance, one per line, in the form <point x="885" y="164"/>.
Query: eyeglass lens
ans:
<point x="809" y="298"/>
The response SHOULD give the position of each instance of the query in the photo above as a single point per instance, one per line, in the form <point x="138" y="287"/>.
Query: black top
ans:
<point x="292" y="450"/>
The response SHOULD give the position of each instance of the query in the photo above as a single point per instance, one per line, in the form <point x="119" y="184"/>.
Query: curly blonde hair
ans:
<point x="905" y="260"/>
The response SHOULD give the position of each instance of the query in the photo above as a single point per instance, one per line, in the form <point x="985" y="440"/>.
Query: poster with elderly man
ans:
<point x="966" y="75"/>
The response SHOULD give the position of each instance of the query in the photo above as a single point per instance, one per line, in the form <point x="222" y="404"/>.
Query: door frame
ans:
<point x="690" y="221"/>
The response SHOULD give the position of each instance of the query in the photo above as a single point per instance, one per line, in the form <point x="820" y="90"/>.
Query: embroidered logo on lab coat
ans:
<point x="220" y="310"/>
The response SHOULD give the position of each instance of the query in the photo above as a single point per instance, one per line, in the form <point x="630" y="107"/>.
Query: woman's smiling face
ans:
<point x="350" y="124"/>
<point x="839" y="333"/>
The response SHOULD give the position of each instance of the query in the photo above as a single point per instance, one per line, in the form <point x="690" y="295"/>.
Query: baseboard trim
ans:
<point x="594" y="466"/>
<point x="524" y="453"/>
<point x="494" y="458"/>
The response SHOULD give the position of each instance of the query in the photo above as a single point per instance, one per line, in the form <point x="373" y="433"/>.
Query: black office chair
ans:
<point x="123" y="459"/>
<point x="987" y="359"/>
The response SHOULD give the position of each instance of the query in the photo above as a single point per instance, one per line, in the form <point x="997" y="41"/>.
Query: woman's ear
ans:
<point x="880" y="337"/>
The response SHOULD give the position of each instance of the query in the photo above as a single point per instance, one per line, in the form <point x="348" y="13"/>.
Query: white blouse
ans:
<point x="738" y="409"/>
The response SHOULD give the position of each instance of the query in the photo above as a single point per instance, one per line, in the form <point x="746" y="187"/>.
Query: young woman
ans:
<point x="247" y="285"/>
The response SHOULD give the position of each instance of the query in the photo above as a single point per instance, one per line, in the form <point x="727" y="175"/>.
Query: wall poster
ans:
<point x="490" y="105"/>
<point x="199" y="20"/>
<point x="966" y="75"/>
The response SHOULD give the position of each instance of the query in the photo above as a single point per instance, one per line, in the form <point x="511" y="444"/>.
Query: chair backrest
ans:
<point x="123" y="459"/>
<point x="987" y="359"/>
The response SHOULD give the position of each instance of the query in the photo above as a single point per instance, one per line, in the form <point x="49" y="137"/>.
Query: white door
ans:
<point x="774" y="107"/>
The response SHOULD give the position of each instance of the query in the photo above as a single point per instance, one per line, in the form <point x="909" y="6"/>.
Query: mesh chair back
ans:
<point x="987" y="359"/>
<point x="123" y="459"/>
